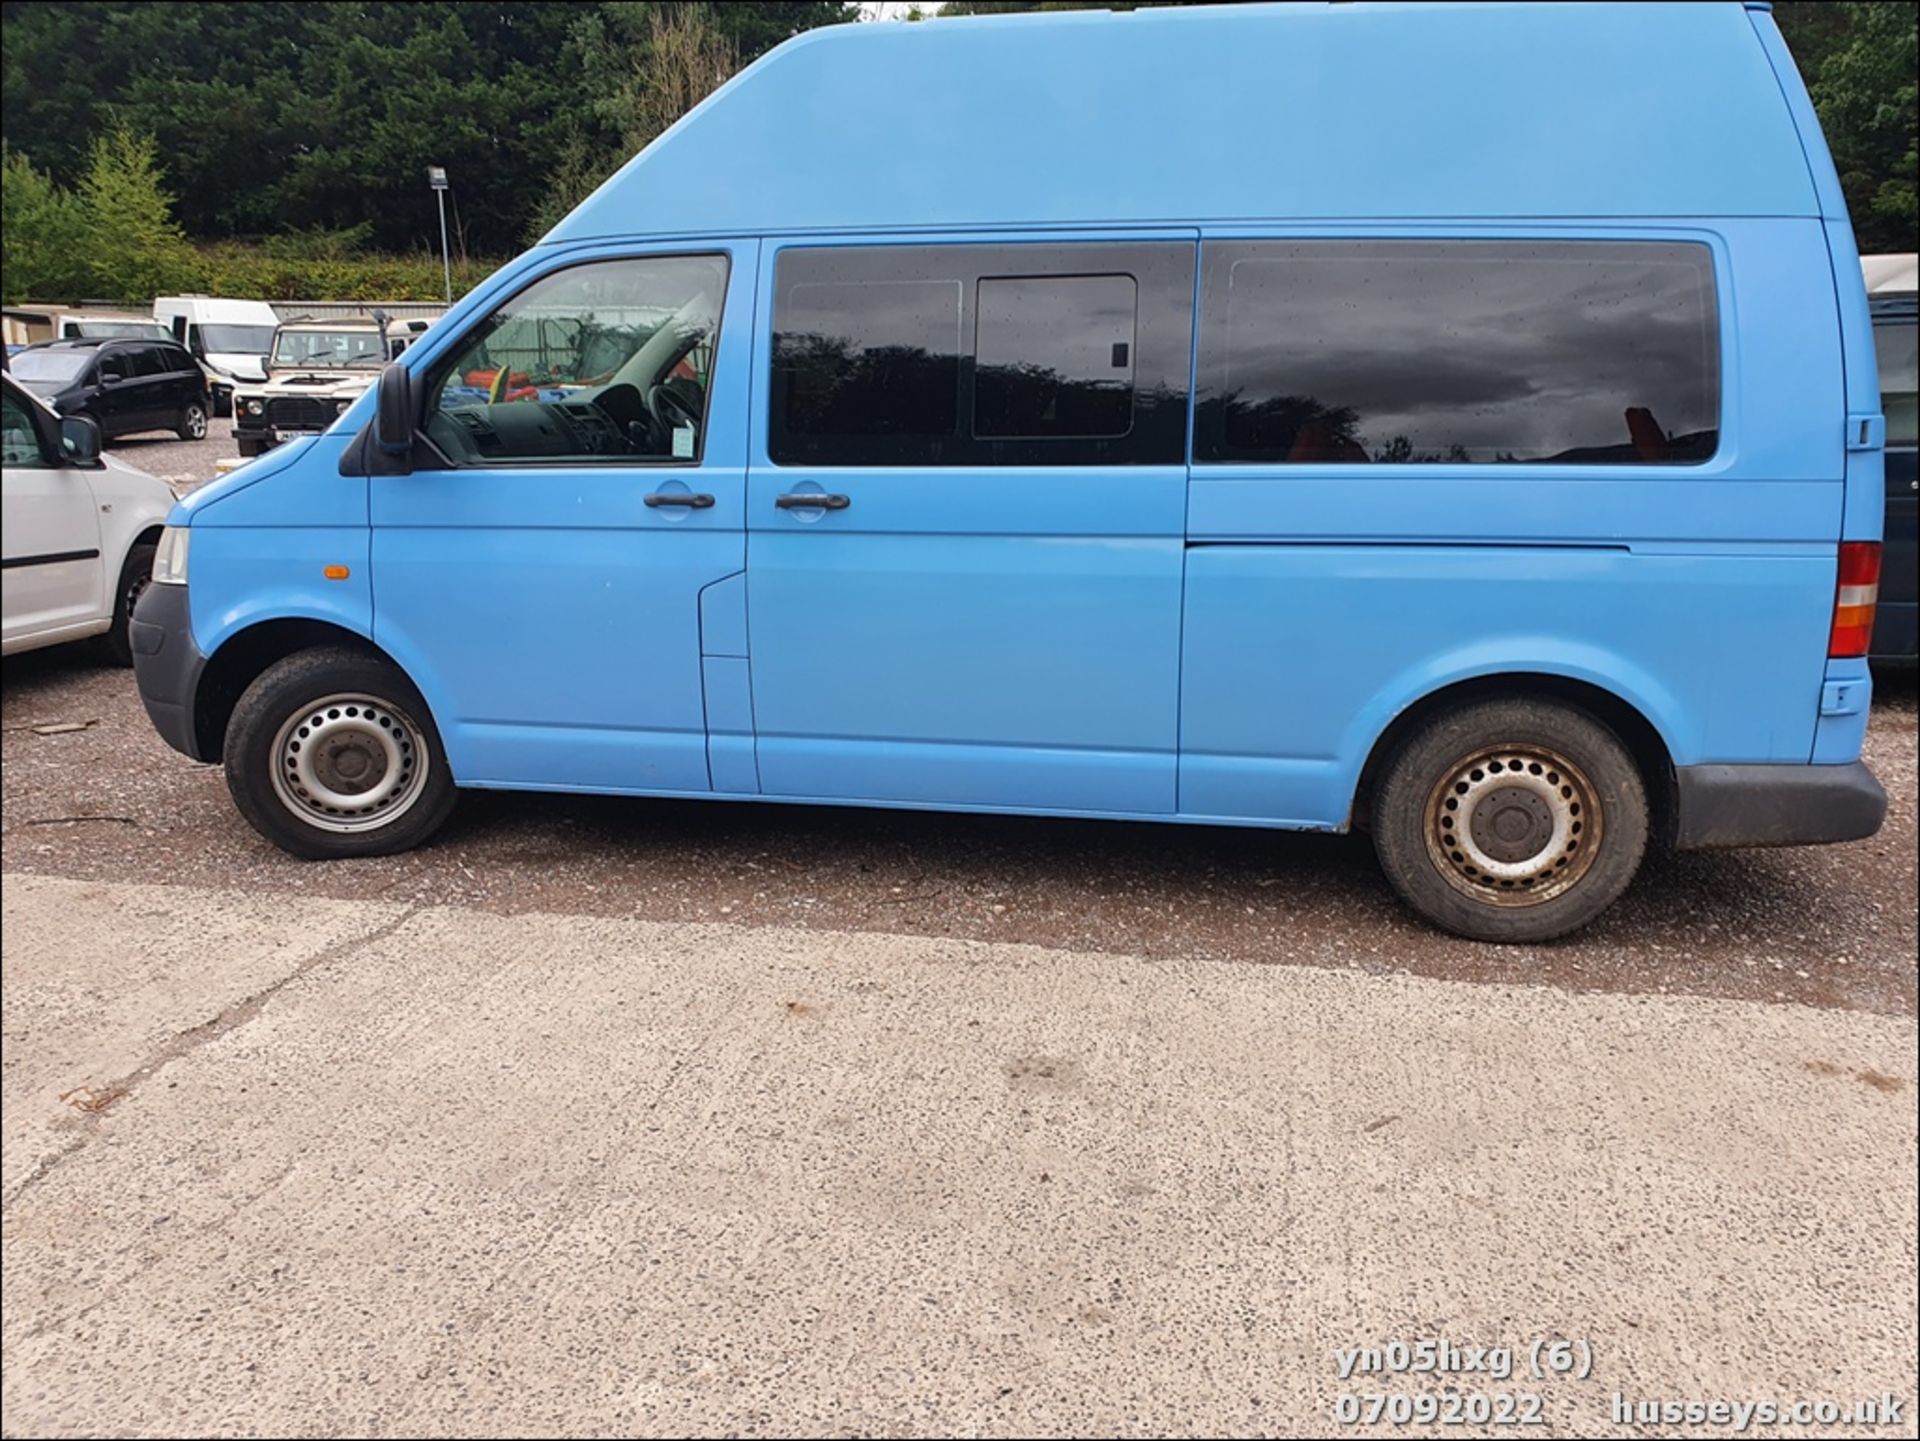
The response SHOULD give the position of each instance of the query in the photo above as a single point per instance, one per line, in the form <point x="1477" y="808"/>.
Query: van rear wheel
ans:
<point x="331" y="753"/>
<point x="1511" y="820"/>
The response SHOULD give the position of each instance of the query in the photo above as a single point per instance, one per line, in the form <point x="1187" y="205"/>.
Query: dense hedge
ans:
<point x="255" y="273"/>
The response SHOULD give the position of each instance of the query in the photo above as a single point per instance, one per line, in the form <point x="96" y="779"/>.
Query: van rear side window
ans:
<point x="1549" y="353"/>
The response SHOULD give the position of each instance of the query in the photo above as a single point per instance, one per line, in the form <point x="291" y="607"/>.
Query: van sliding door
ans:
<point x="965" y="522"/>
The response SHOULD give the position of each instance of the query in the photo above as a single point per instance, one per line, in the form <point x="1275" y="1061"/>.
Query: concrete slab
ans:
<point x="471" y="1174"/>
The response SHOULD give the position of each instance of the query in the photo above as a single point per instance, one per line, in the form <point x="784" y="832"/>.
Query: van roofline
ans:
<point x="1067" y="119"/>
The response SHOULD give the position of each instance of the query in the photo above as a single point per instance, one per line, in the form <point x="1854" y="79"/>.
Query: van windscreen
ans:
<point x="1436" y="351"/>
<point x="236" y="339"/>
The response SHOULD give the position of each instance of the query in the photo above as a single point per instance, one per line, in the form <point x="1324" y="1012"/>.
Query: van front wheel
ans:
<point x="331" y="754"/>
<point x="1511" y="820"/>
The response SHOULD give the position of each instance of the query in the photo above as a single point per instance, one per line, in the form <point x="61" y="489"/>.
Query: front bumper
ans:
<point x="1760" y="805"/>
<point x="167" y="665"/>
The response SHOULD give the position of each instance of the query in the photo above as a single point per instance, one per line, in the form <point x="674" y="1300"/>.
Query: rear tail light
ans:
<point x="1854" y="600"/>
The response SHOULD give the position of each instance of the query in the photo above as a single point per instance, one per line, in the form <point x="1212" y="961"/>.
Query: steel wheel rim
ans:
<point x="349" y="763"/>
<point x="1514" y="825"/>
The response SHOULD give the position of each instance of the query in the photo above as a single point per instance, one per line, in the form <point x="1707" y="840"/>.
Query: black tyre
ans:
<point x="193" y="421"/>
<point x="331" y="753"/>
<point x="135" y="573"/>
<point x="1511" y="820"/>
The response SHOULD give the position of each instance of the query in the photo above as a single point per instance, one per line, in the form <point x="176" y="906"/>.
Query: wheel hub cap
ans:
<point x="1512" y="824"/>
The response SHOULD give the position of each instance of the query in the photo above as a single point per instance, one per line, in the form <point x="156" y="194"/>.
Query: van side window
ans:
<point x="971" y="355"/>
<point x="872" y="358"/>
<point x="1435" y="351"/>
<point x="607" y="361"/>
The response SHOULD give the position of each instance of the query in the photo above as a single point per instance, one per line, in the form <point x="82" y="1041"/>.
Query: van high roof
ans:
<point x="1242" y="112"/>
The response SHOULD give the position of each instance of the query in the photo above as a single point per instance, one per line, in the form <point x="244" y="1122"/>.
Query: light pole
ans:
<point x="437" y="178"/>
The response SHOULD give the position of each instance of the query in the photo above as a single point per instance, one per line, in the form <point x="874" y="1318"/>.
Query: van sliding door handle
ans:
<point x="810" y="500"/>
<point x="693" y="500"/>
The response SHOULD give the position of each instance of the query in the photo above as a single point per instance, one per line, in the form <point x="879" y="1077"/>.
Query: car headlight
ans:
<point x="340" y="406"/>
<point x="170" y="560"/>
<point x="256" y="407"/>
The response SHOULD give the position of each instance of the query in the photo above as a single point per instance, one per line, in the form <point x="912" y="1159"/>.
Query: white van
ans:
<point x="230" y="339"/>
<point x="80" y="530"/>
<point x="29" y="324"/>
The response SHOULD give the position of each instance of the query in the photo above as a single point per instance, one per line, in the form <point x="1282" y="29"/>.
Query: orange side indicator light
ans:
<point x="336" y="572"/>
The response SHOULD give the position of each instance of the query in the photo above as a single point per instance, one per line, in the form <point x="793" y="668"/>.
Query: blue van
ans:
<point x="1456" y="422"/>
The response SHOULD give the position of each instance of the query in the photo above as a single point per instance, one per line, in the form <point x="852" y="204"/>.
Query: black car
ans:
<point x="124" y="386"/>
<point x="1894" y="628"/>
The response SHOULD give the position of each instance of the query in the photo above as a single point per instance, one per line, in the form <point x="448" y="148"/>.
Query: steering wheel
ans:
<point x="672" y="409"/>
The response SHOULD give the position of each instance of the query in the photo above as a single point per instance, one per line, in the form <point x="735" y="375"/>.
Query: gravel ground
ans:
<point x="1829" y="927"/>
<point x="182" y="464"/>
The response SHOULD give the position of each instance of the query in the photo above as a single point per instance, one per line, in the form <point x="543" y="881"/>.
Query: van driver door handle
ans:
<point x="810" y="500"/>
<point x="693" y="500"/>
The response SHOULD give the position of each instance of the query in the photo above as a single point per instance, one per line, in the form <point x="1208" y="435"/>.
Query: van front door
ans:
<point x="543" y="584"/>
<point x="966" y="523"/>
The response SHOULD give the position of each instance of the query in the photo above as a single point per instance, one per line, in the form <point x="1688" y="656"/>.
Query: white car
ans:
<point x="79" y="531"/>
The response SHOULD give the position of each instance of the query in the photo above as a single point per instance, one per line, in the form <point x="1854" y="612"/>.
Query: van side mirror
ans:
<point x="80" y="441"/>
<point x="394" y="411"/>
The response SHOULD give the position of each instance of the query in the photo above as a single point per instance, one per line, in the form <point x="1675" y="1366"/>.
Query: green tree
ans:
<point x="646" y="65"/>
<point x="134" y="247"/>
<point x="274" y="115"/>
<point x="1864" y="90"/>
<point x="44" y="231"/>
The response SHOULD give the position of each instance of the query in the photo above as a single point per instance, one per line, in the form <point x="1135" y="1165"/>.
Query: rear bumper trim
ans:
<point x="1762" y="805"/>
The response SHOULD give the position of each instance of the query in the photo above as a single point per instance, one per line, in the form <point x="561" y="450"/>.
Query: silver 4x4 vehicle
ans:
<point x="317" y="368"/>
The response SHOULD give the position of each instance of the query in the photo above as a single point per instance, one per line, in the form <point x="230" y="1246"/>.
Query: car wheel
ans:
<point x="135" y="574"/>
<point x="193" y="421"/>
<point x="331" y="753"/>
<point x="1511" y="820"/>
